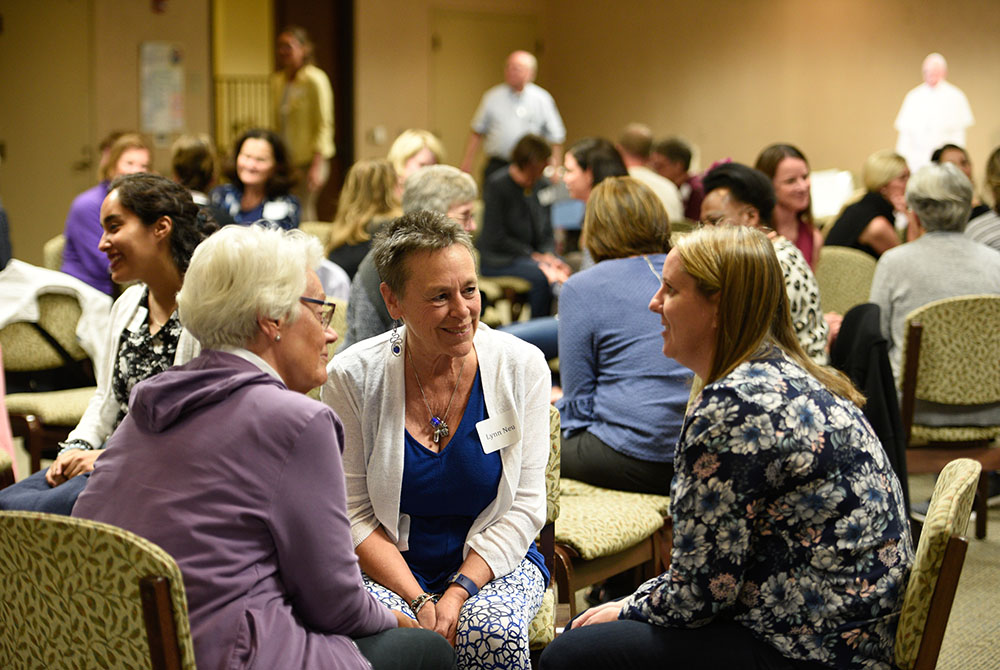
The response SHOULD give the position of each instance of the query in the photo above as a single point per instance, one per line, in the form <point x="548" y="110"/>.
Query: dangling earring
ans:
<point x="395" y="341"/>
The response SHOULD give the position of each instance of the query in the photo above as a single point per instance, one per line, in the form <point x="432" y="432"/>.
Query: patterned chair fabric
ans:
<point x="69" y="594"/>
<point x="25" y="349"/>
<point x="54" y="408"/>
<point x="598" y="522"/>
<point x="552" y="471"/>
<point x="542" y="629"/>
<point x="845" y="277"/>
<point x="948" y="515"/>
<point x="959" y="350"/>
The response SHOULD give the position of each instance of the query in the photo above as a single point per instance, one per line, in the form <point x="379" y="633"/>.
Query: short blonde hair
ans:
<point x="240" y="273"/>
<point x="624" y="218"/>
<point x="410" y="142"/>
<point x="881" y="168"/>
<point x="738" y="263"/>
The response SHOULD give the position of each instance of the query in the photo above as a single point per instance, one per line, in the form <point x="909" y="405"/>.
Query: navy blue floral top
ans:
<point x="788" y="519"/>
<point x="282" y="211"/>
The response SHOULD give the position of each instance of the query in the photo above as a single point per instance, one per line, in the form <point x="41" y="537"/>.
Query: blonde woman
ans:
<point x="868" y="223"/>
<point x="367" y="200"/>
<point x="412" y="150"/>
<point x="792" y="546"/>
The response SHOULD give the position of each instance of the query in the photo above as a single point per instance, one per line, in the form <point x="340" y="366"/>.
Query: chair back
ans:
<point x="52" y="252"/>
<point x="25" y="348"/>
<point x="844" y="276"/>
<point x="954" y="355"/>
<point x="70" y="597"/>
<point x="318" y="229"/>
<point x="552" y="471"/>
<point x="921" y="622"/>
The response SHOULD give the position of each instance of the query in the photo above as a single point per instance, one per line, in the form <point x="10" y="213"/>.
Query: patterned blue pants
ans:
<point x="492" y="630"/>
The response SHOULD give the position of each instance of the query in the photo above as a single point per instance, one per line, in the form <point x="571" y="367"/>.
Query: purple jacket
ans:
<point x="81" y="258"/>
<point x="240" y="480"/>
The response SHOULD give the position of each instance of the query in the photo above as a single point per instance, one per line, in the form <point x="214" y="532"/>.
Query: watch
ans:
<point x="465" y="583"/>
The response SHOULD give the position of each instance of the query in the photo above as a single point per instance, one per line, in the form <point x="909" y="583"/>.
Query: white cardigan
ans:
<point x="365" y="388"/>
<point x="98" y="420"/>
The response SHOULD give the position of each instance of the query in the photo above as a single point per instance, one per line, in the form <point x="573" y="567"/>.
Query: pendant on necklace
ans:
<point x="440" y="429"/>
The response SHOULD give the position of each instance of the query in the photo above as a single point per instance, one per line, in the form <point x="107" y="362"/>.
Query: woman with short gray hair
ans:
<point x="254" y="274"/>
<point x="941" y="199"/>
<point x="446" y="427"/>
<point x="941" y="263"/>
<point x="228" y="465"/>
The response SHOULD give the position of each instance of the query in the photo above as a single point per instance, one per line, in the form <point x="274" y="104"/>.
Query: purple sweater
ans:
<point x="240" y="480"/>
<point x="81" y="258"/>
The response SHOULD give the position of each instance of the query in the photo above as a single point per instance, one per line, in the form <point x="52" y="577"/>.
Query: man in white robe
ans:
<point x="932" y="114"/>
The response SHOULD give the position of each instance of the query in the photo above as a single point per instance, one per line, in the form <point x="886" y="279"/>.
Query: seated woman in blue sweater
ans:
<point x="623" y="403"/>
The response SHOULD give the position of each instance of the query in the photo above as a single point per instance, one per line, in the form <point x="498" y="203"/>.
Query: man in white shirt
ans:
<point x="634" y="145"/>
<point x="932" y="114"/>
<point x="511" y="110"/>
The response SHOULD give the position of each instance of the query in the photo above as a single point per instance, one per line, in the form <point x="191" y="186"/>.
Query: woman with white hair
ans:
<point x="942" y="263"/>
<point x="228" y="465"/>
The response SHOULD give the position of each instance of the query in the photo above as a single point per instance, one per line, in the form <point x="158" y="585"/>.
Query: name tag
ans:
<point x="275" y="210"/>
<point x="498" y="432"/>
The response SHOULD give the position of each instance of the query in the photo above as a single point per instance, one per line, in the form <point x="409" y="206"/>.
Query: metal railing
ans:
<point x="241" y="102"/>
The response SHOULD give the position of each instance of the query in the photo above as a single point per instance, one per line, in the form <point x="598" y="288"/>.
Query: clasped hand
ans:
<point x="440" y="616"/>
<point x="71" y="463"/>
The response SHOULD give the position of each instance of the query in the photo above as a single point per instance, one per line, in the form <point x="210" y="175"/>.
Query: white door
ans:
<point x="49" y="153"/>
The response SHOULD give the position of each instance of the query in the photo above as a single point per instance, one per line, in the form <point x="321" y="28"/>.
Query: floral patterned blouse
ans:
<point x="141" y="355"/>
<point x="788" y="519"/>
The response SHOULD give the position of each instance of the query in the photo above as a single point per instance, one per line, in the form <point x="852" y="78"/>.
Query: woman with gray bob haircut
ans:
<point x="228" y="465"/>
<point x="941" y="263"/>
<point x="941" y="198"/>
<point x="439" y="188"/>
<point x="445" y="444"/>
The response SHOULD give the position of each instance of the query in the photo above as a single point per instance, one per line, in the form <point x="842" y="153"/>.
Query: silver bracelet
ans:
<point x="418" y="603"/>
<point x="72" y="445"/>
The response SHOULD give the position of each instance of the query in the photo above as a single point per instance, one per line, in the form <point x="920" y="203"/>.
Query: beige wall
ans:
<point x="730" y="75"/>
<point x="103" y="43"/>
<point x="244" y="37"/>
<point x="736" y="75"/>
<point x="120" y="26"/>
<point x="392" y="69"/>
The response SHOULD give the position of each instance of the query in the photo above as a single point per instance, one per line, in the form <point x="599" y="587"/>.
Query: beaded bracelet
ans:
<point x="417" y="603"/>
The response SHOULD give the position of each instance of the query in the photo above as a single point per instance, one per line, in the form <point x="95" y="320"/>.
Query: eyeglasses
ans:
<point x="325" y="315"/>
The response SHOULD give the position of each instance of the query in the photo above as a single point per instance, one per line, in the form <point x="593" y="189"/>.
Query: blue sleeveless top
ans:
<point x="444" y="492"/>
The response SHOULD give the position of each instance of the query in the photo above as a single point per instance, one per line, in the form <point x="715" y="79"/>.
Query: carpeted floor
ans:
<point x="972" y="641"/>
